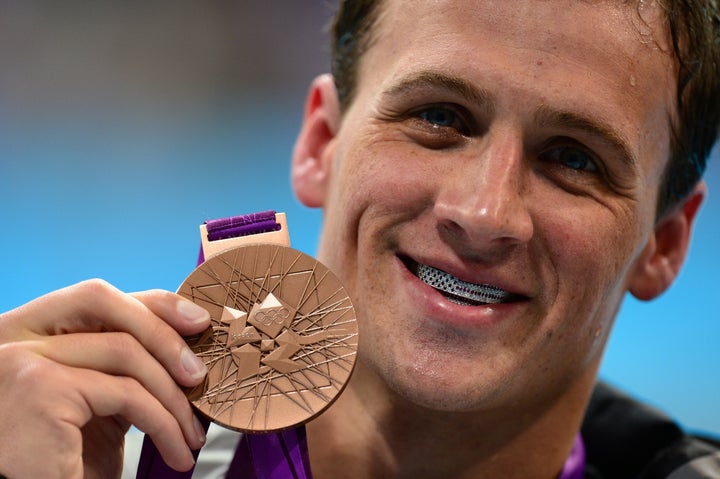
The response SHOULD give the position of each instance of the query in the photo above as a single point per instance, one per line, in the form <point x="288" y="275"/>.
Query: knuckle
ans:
<point x="179" y="403"/>
<point x="158" y="328"/>
<point x="96" y="289"/>
<point x="160" y="424"/>
<point x="161" y="294"/>
<point x="93" y="284"/>
<point x="127" y="392"/>
<point x="130" y="398"/>
<point x="122" y="345"/>
<point x="133" y="402"/>
<point x="156" y="296"/>
<point x="29" y="373"/>
<point x="94" y="296"/>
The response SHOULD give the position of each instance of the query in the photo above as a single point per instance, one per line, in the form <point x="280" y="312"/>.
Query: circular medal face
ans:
<point x="282" y="342"/>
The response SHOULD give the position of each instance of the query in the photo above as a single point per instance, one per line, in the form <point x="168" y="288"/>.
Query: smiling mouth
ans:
<point x="459" y="291"/>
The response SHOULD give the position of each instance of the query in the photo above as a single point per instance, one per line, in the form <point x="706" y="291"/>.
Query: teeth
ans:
<point x="460" y="290"/>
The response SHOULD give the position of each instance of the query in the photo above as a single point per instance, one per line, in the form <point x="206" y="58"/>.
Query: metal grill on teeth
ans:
<point x="450" y="284"/>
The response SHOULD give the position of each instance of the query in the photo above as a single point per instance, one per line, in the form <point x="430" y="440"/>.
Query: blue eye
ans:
<point x="573" y="158"/>
<point x="438" y="125"/>
<point x="439" y="117"/>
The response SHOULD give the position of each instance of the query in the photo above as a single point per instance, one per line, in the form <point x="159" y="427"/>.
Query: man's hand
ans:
<point x="81" y="364"/>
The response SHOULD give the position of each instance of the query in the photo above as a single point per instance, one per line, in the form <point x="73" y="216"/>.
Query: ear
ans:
<point x="659" y="263"/>
<point x="314" y="147"/>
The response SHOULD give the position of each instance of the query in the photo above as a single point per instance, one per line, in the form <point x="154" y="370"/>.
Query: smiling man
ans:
<point x="490" y="188"/>
<point x="495" y="177"/>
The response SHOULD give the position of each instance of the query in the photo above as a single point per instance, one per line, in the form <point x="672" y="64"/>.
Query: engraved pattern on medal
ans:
<point x="282" y="342"/>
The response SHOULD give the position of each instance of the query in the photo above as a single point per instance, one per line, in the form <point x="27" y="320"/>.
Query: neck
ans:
<point x="375" y="433"/>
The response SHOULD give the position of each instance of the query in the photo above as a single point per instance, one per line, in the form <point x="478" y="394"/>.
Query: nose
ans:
<point x="483" y="202"/>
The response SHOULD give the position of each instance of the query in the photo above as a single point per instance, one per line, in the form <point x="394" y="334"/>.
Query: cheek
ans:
<point x="371" y="193"/>
<point x="593" y="251"/>
<point x="378" y="178"/>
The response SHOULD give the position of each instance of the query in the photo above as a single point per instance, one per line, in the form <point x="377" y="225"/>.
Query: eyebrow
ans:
<point x="549" y="117"/>
<point x="436" y="80"/>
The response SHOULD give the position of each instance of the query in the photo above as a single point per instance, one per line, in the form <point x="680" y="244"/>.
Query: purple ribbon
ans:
<point x="152" y="465"/>
<point x="575" y="465"/>
<point x="244" y="225"/>
<point x="283" y="455"/>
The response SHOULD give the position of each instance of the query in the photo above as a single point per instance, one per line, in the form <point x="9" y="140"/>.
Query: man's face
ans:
<point x="518" y="145"/>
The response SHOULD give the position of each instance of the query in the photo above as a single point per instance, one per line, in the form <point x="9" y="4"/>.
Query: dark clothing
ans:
<point x="625" y="439"/>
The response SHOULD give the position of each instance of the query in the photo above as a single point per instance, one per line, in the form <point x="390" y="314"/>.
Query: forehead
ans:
<point x="645" y="20"/>
<point x="616" y="32"/>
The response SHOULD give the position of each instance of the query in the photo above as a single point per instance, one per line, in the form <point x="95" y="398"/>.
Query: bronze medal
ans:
<point x="282" y="342"/>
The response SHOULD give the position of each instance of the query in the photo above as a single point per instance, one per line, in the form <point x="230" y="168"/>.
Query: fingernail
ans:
<point x="192" y="364"/>
<point x="199" y="429"/>
<point x="192" y="312"/>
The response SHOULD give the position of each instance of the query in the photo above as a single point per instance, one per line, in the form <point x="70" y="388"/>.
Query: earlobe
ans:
<point x="659" y="263"/>
<point x="313" y="153"/>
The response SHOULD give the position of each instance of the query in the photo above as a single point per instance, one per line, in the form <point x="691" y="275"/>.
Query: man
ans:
<point x="534" y="152"/>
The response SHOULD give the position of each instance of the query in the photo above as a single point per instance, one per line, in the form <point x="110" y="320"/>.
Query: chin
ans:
<point x="435" y="397"/>
<point x="441" y="390"/>
<point x="442" y="401"/>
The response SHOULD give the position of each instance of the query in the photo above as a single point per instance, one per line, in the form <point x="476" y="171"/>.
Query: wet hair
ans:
<point x="695" y="35"/>
<point x="351" y="36"/>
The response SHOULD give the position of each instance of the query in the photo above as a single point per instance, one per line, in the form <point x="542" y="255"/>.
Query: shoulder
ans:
<point x="626" y="439"/>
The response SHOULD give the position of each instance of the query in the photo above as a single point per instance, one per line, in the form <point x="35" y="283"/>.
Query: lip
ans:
<point x="435" y="305"/>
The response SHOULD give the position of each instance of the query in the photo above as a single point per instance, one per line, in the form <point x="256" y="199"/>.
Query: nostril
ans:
<point x="450" y="230"/>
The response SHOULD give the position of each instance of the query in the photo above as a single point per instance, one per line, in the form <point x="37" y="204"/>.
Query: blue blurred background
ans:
<point x="124" y="125"/>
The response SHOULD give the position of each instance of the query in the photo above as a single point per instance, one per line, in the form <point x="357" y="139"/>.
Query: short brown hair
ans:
<point x="351" y="37"/>
<point x="695" y="34"/>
